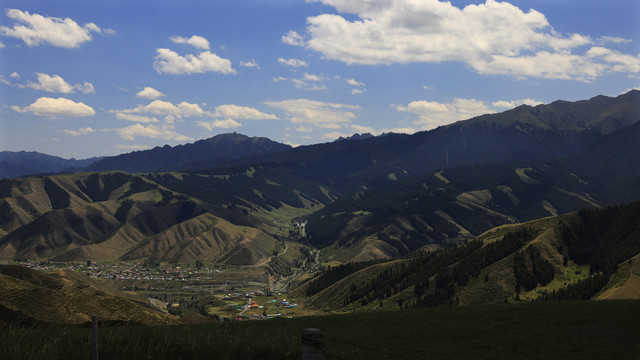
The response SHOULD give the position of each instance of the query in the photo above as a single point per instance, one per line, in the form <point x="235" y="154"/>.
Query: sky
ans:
<point x="100" y="78"/>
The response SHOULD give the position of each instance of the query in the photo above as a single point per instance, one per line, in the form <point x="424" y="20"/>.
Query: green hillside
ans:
<point x="574" y="256"/>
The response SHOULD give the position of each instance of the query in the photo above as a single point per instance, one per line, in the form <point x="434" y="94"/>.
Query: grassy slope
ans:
<point x="155" y="227"/>
<point x="67" y="297"/>
<point x="569" y="330"/>
<point x="496" y="282"/>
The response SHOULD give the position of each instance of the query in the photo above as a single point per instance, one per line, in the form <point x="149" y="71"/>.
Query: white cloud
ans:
<point x="503" y="104"/>
<point x="279" y="78"/>
<point x="400" y="130"/>
<point x="357" y="91"/>
<point x="617" y="61"/>
<point x="304" y="129"/>
<point x="335" y="135"/>
<point x="197" y="41"/>
<point x="46" y="106"/>
<point x="363" y="129"/>
<point x="317" y="113"/>
<point x="56" y="84"/>
<point x="241" y="112"/>
<point x="165" y="132"/>
<point x="354" y="82"/>
<point x="159" y="107"/>
<point x="250" y="63"/>
<point x="310" y="82"/>
<point x="295" y="63"/>
<point x="1" y="45"/>
<point x="136" y="118"/>
<point x="627" y="90"/>
<point x="491" y="38"/>
<point x="293" y="38"/>
<point x="131" y="147"/>
<point x="149" y="93"/>
<point x="614" y="40"/>
<point x="169" y="62"/>
<point x="14" y="75"/>
<point x="37" y="29"/>
<point x="433" y="114"/>
<point x="219" y="124"/>
<point x="81" y="131"/>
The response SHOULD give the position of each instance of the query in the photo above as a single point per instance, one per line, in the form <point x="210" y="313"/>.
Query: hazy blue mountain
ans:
<point x="21" y="163"/>
<point x="213" y="152"/>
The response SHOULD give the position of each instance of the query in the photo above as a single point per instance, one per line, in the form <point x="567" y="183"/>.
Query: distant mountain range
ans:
<point x="233" y="199"/>
<point x="21" y="163"/>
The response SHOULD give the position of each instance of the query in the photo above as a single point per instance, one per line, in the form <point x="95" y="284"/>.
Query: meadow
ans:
<point x="545" y="330"/>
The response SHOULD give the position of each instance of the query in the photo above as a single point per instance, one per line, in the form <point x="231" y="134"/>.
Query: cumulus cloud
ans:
<point x="295" y="63"/>
<point x="149" y="93"/>
<point x="317" y="113"/>
<point x="219" y="124"/>
<point x="503" y="104"/>
<point x="14" y="75"/>
<point x="363" y="129"/>
<point x="131" y="147"/>
<point x="35" y="29"/>
<point x="293" y="38"/>
<point x="241" y="112"/>
<point x="159" y="107"/>
<point x="46" y="106"/>
<point x="169" y="62"/>
<point x="197" y="41"/>
<point x="81" y="131"/>
<point x="491" y="38"/>
<point x="251" y="63"/>
<point x="279" y="78"/>
<point x="166" y="132"/>
<point x="357" y="91"/>
<point x="335" y="135"/>
<point x="56" y="84"/>
<point x="433" y="114"/>
<point x="354" y="82"/>
<point x="310" y="82"/>
<point x="136" y="118"/>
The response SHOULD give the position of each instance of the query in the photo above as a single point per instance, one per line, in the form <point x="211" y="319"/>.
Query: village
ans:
<point x="181" y="289"/>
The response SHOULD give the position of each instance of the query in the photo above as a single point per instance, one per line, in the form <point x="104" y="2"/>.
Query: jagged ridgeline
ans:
<point x="223" y="215"/>
<point x="592" y="253"/>
<point x="455" y="204"/>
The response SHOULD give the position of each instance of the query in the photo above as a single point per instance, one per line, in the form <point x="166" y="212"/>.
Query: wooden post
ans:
<point x="311" y="344"/>
<point x="94" y="336"/>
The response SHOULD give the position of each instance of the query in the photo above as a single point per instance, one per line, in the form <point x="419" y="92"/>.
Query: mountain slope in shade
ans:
<point x="216" y="151"/>
<point x="559" y="129"/>
<point x="21" y="163"/>
<point x="455" y="204"/>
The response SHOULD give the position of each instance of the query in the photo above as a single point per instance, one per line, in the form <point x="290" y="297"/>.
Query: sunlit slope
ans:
<point x="230" y="217"/>
<point x="69" y="297"/>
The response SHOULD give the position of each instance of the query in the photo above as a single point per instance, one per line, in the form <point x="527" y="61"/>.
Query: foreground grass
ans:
<point x="567" y="330"/>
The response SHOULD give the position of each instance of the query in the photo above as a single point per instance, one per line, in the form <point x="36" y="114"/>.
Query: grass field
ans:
<point x="563" y="330"/>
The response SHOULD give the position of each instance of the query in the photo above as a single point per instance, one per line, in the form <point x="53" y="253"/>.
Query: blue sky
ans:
<point x="98" y="78"/>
